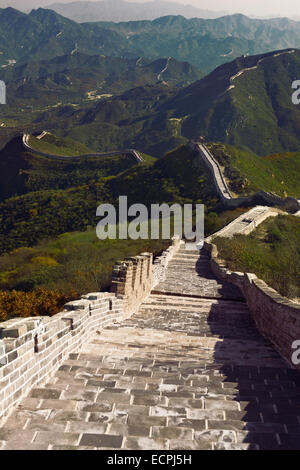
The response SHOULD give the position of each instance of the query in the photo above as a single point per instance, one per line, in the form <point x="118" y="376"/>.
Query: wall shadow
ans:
<point x="263" y="390"/>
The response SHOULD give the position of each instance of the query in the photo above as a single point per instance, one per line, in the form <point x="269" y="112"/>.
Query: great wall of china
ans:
<point x="181" y="354"/>
<point x="261" y="197"/>
<point x="25" y="141"/>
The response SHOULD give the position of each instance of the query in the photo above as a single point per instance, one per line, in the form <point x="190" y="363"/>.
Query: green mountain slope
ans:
<point x="81" y="78"/>
<point x="57" y="197"/>
<point x="22" y="172"/>
<point x="246" y="103"/>
<point x="248" y="173"/>
<point x="254" y="110"/>
<point x="134" y="119"/>
<point x="206" y="43"/>
<point x="43" y="34"/>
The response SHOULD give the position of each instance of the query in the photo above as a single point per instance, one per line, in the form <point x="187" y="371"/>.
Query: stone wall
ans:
<point x="136" y="156"/>
<point x="261" y="197"/>
<point x="276" y="317"/>
<point x="32" y="349"/>
<point x="247" y="222"/>
<point x="161" y="263"/>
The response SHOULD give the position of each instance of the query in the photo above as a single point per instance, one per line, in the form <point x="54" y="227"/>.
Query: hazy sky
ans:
<point x="254" y="7"/>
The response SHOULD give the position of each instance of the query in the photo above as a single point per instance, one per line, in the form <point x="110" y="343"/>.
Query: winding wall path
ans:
<point x="25" y="139"/>
<point x="188" y="370"/>
<point x="224" y="193"/>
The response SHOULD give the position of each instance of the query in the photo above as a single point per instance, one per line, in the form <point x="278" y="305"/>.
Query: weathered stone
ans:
<point x="188" y="371"/>
<point x="101" y="440"/>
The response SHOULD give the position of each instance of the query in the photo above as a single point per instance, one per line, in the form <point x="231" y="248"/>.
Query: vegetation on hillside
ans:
<point x="40" y="302"/>
<point x="23" y="172"/>
<point x="39" y="280"/>
<point x="58" y="146"/>
<point x="272" y="252"/>
<point x="61" y="197"/>
<point x="247" y="173"/>
<point x="40" y="257"/>
<point x="80" y="79"/>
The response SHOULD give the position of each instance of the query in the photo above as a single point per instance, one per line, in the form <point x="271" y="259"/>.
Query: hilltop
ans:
<point x="247" y="173"/>
<point x="245" y="103"/>
<point x="22" y="172"/>
<point x="118" y="10"/>
<point x="80" y="79"/>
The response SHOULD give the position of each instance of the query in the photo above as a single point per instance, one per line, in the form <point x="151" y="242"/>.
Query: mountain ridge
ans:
<point x="245" y="103"/>
<point x="118" y="10"/>
<point x="80" y="78"/>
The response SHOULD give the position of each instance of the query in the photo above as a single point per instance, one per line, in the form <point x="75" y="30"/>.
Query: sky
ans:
<point x="251" y="7"/>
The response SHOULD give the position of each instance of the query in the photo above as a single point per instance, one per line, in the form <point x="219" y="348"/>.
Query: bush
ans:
<point x="40" y="302"/>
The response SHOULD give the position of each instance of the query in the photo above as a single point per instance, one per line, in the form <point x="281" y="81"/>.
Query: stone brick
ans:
<point x="141" y="443"/>
<point x="56" y="438"/>
<point x="45" y="393"/>
<point x="196" y="444"/>
<point x="90" y="427"/>
<point x="182" y="373"/>
<point x="134" y="419"/>
<point x="172" y="432"/>
<point x="101" y="440"/>
<point x="166" y="411"/>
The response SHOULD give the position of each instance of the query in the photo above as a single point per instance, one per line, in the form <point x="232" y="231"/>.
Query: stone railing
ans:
<point x="246" y="223"/>
<point x="32" y="349"/>
<point x="276" y="317"/>
<point x="132" y="281"/>
<point x="25" y="141"/>
<point x="161" y="263"/>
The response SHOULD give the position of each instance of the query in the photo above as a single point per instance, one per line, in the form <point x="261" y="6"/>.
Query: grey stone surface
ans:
<point x="184" y="372"/>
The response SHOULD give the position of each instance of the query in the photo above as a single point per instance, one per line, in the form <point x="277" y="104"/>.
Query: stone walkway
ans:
<point x="188" y="371"/>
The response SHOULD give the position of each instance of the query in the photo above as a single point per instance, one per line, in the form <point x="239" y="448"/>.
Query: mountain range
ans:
<point x="246" y="103"/>
<point x="119" y="10"/>
<point x="81" y="78"/>
<point x="205" y="43"/>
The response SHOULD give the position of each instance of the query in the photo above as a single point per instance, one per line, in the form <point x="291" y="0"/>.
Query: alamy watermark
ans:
<point x="296" y="354"/>
<point x="2" y="92"/>
<point x="137" y="222"/>
<point x="296" y="94"/>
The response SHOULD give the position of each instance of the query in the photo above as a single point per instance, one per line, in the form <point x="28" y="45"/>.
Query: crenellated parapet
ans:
<point x="32" y="349"/>
<point x="132" y="281"/>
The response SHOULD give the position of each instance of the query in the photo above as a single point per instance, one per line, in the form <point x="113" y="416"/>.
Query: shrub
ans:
<point x="40" y="302"/>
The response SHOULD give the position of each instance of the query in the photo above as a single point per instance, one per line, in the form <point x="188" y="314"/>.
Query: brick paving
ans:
<point x="188" y="371"/>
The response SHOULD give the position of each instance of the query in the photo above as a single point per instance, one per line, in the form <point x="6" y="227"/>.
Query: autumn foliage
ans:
<point x="40" y="302"/>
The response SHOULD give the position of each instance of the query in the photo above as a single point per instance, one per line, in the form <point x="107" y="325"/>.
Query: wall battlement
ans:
<point x="32" y="349"/>
<point x="261" y="197"/>
<point x="276" y="317"/>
